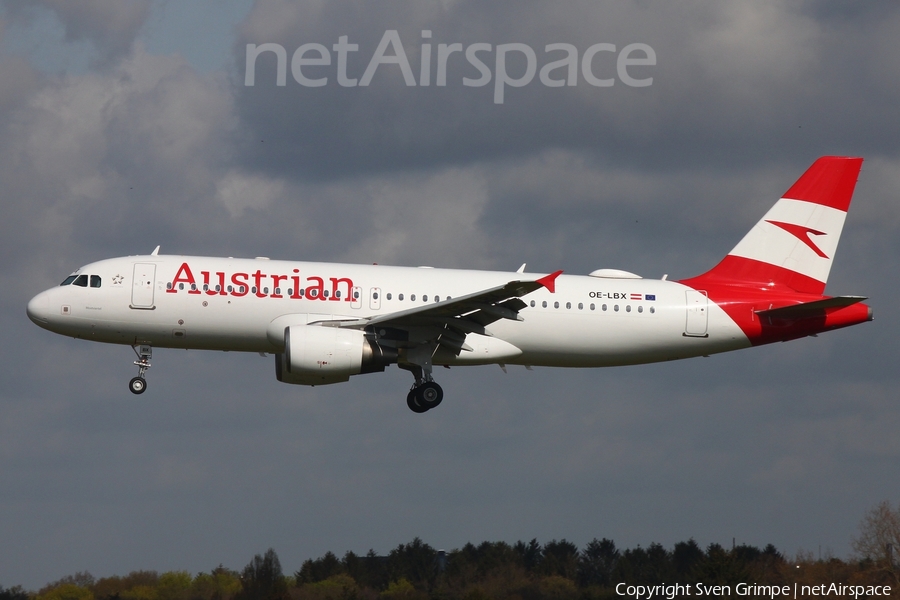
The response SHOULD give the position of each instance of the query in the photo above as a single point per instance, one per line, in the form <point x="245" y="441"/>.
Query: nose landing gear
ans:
<point x="138" y="385"/>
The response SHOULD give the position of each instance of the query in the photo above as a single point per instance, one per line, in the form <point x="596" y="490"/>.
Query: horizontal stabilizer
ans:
<point x="810" y="309"/>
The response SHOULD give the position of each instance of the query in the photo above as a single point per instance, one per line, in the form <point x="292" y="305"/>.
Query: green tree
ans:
<point x="218" y="584"/>
<point x="560" y="558"/>
<point x="67" y="591"/>
<point x="416" y="562"/>
<point x="597" y="562"/>
<point x="720" y="567"/>
<point x="368" y="571"/>
<point x="339" y="587"/>
<point x="530" y="554"/>
<point x="262" y="579"/>
<point x="174" y="585"/>
<point x="555" y="587"/>
<point x="14" y="593"/>
<point x="113" y="588"/>
<point x="320" y="569"/>
<point x="686" y="560"/>
<point x="645" y="566"/>
<point x="401" y="589"/>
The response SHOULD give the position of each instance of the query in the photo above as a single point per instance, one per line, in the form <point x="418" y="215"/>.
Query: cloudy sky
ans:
<point x="124" y="125"/>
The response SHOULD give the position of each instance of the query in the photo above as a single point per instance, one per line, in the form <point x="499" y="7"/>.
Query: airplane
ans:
<point x="325" y="322"/>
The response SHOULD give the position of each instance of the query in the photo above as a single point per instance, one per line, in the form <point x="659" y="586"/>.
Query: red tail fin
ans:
<point x="793" y="245"/>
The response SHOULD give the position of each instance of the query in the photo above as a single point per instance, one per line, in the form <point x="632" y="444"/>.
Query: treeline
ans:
<point x="556" y="570"/>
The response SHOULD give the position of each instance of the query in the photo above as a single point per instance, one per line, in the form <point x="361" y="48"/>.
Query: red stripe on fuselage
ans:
<point x="741" y="303"/>
<point x="749" y="273"/>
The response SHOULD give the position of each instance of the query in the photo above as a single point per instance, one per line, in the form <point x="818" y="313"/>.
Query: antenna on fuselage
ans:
<point x="155" y="251"/>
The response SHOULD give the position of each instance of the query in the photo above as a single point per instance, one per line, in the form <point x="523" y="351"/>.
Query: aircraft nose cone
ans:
<point x="39" y="309"/>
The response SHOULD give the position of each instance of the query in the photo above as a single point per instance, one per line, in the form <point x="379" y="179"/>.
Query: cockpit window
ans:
<point x="81" y="281"/>
<point x="69" y="280"/>
<point x="95" y="281"/>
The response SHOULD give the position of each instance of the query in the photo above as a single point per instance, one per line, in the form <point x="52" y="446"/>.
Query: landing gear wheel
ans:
<point x="412" y="404"/>
<point x="137" y="385"/>
<point x="429" y="395"/>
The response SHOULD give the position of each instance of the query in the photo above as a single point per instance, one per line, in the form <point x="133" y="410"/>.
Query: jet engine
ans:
<point x="315" y="355"/>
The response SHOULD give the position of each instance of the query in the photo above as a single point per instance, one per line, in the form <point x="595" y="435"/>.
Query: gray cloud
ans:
<point x="111" y="26"/>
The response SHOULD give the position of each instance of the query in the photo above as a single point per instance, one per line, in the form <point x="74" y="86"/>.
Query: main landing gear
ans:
<point x="425" y="393"/>
<point x="138" y="385"/>
<point x="424" y="397"/>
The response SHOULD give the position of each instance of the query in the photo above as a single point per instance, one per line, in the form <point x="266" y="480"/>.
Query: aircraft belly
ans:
<point x="592" y="340"/>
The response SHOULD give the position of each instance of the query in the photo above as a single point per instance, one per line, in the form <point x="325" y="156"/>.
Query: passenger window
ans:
<point x="568" y="305"/>
<point x="425" y="298"/>
<point x="68" y="280"/>
<point x="544" y="304"/>
<point x="592" y="306"/>
<point x="389" y="296"/>
<point x="532" y="304"/>
<point x="412" y="297"/>
<point x="95" y="281"/>
<point x="652" y="310"/>
<point x="81" y="281"/>
<point x="628" y="308"/>
<point x="400" y="297"/>
<point x="640" y="309"/>
<point x="580" y="306"/>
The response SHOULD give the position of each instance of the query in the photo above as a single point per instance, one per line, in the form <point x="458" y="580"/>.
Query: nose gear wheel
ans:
<point x="138" y="385"/>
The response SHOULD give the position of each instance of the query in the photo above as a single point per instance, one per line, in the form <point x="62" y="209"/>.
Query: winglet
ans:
<point x="549" y="281"/>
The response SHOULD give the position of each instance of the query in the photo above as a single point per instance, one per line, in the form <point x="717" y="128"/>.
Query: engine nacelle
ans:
<point x="315" y="355"/>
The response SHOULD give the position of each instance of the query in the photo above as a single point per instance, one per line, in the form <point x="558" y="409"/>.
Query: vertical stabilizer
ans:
<point x="794" y="244"/>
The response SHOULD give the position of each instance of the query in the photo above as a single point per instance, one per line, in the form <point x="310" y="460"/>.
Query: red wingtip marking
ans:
<point x="549" y="281"/>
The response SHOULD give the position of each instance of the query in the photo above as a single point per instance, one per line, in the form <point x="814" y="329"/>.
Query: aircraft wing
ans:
<point x="448" y="321"/>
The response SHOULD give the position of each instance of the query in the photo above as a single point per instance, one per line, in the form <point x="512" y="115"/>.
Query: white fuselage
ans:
<point x="587" y="322"/>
